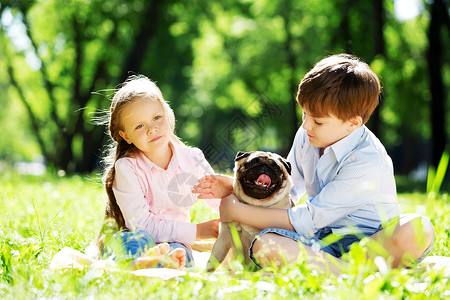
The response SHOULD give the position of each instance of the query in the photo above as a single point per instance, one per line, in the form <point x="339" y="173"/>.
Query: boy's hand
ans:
<point x="228" y="207"/>
<point x="213" y="187"/>
<point x="208" y="230"/>
<point x="231" y="209"/>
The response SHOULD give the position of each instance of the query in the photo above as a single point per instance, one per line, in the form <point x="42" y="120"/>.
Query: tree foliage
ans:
<point x="230" y="69"/>
<point x="90" y="46"/>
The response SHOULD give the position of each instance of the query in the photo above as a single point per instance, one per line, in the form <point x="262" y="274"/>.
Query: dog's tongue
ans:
<point x="264" y="179"/>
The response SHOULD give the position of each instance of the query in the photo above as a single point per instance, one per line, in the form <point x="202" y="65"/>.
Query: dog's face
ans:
<point x="261" y="178"/>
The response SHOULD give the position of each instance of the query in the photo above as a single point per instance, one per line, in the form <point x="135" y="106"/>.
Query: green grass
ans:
<point x="41" y="215"/>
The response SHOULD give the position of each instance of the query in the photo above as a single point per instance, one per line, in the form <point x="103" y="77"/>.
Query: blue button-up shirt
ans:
<point x="350" y="188"/>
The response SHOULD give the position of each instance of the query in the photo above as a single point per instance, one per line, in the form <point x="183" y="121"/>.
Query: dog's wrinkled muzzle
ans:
<point x="260" y="181"/>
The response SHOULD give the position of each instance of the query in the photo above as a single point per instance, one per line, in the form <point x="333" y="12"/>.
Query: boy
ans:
<point x="345" y="171"/>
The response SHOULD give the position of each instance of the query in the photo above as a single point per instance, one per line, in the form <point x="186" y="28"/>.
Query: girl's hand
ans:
<point x="208" y="230"/>
<point x="213" y="186"/>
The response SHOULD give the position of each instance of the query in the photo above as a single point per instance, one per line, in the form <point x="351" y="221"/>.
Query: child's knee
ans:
<point x="426" y="234"/>
<point x="263" y="245"/>
<point x="415" y="233"/>
<point x="258" y="245"/>
<point x="417" y="225"/>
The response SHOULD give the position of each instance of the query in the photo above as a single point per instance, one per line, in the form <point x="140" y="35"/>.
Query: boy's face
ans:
<point x="325" y="131"/>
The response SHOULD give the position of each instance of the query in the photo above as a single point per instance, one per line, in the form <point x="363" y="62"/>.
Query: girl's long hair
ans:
<point x="112" y="209"/>
<point x="136" y="86"/>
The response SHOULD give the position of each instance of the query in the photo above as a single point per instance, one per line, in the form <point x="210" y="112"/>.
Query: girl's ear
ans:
<point x="124" y="136"/>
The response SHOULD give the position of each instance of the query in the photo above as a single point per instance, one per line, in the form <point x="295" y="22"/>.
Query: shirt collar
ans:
<point x="343" y="147"/>
<point x="174" y="163"/>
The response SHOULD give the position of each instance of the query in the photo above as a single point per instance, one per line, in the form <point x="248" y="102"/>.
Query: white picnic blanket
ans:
<point x="68" y="258"/>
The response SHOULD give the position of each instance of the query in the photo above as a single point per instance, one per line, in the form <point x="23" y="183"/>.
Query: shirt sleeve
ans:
<point x="298" y="180"/>
<point x="354" y="186"/>
<point x="204" y="168"/>
<point x="137" y="211"/>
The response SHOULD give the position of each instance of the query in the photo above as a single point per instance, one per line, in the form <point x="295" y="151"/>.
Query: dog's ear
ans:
<point x="287" y="165"/>
<point x="240" y="155"/>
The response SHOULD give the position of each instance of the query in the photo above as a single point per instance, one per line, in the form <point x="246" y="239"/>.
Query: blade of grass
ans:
<point x="41" y="234"/>
<point x="236" y="238"/>
<point x="240" y="256"/>
<point x="435" y="179"/>
<point x="440" y="172"/>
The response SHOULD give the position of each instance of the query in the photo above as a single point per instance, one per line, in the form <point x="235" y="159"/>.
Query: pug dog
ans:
<point x="260" y="179"/>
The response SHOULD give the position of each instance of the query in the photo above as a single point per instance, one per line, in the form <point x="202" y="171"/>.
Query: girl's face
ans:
<point x="144" y="125"/>
<point x="323" y="132"/>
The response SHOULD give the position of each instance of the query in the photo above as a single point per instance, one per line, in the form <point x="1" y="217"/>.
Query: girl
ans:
<point x="150" y="173"/>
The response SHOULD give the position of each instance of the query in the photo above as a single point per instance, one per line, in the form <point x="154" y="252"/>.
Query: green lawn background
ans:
<point x="41" y="215"/>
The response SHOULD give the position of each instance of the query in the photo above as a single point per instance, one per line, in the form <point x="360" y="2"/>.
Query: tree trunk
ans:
<point x="293" y="82"/>
<point x="434" y="57"/>
<point x="379" y="51"/>
<point x="143" y="39"/>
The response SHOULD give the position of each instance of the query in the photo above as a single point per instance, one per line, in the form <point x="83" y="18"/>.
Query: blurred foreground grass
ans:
<point x="41" y="215"/>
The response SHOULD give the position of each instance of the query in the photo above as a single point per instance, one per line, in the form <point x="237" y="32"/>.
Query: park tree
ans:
<point x="230" y="69"/>
<point x="254" y="55"/>
<point x="79" y="48"/>
<point x="408" y="122"/>
<point x="437" y="58"/>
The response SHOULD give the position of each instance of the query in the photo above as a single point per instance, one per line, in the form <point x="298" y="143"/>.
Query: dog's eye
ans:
<point x="252" y="162"/>
<point x="249" y="164"/>
<point x="276" y="167"/>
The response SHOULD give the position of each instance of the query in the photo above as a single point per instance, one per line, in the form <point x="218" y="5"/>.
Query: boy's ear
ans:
<point x="124" y="136"/>
<point x="355" y="122"/>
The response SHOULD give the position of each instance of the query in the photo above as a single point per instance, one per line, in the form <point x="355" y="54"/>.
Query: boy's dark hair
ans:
<point x="340" y="85"/>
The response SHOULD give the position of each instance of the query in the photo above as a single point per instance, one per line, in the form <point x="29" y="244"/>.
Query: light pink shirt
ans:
<point x="158" y="200"/>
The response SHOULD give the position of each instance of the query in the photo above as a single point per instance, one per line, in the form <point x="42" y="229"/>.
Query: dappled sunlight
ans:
<point x="67" y="212"/>
<point x="231" y="72"/>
